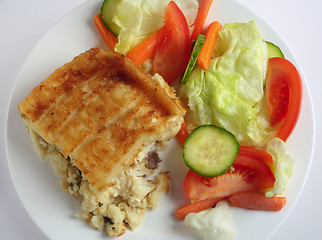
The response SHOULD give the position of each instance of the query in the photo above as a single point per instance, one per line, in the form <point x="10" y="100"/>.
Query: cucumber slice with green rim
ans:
<point x="194" y="56"/>
<point x="273" y="50"/>
<point x="108" y="10"/>
<point x="210" y="150"/>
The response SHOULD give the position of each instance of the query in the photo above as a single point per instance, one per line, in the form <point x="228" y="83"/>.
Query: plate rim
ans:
<point x="294" y="61"/>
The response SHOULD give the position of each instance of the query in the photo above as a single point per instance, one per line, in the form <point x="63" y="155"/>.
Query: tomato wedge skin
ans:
<point x="249" y="172"/>
<point x="182" y="134"/>
<point x="173" y="45"/>
<point x="265" y="156"/>
<point x="283" y="95"/>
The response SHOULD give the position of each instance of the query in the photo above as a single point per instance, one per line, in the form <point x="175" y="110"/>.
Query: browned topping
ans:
<point x="100" y="109"/>
<point x="40" y="109"/>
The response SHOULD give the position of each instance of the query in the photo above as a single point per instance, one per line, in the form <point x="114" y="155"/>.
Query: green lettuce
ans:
<point x="138" y="19"/>
<point x="284" y="166"/>
<point x="230" y="92"/>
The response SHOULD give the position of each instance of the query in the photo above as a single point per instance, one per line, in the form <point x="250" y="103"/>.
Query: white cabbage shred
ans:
<point x="213" y="223"/>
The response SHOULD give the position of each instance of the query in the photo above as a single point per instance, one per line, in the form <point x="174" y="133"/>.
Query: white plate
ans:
<point x="38" y="187"/>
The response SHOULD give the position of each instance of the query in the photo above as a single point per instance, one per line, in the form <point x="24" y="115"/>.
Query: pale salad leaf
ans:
<point x="284" y="166"/>
<point x="138" y="19"/>
<point x="213" y="223"/>
<point x="230" y="93"/>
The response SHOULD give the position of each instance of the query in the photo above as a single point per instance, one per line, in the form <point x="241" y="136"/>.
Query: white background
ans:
<point x="298" y="22"/>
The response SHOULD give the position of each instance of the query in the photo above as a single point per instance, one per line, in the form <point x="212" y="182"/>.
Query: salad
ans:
<point x="243" y="100"/>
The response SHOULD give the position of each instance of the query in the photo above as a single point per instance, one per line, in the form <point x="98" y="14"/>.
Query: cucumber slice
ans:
<point x="108" y="10"/>
<point x="194" y="56"/>
<point x="210" y="150"/>
<point x="273" y="50"/>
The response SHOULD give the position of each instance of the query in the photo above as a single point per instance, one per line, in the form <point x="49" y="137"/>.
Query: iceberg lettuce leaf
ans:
<point x="138" y="19"/>
<point x="284" y="166"/>
<point x="230" y="93"/>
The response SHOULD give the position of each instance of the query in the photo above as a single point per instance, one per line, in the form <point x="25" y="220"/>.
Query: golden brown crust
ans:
<point x="102" y="111"/>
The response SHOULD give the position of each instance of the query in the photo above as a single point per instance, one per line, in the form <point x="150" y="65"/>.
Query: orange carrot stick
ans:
<point x="144" y="50"/>
<point x="196" y="207"/>
<point x="108" y="37"/>
<point x="257" y="201"/>
<point x="209" y="45"/>
<point x="204" y="6"/>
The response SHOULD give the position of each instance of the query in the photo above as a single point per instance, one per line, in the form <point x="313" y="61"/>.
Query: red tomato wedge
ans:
<point x="182" y="134"/>
<point x="196" y="207"/>
<point x="283" y="95"/>
<point x="249" y="172"/>
<point x="257" y="201"/>
<point x="265" y="156"/>
<point x="173" y="45"/>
